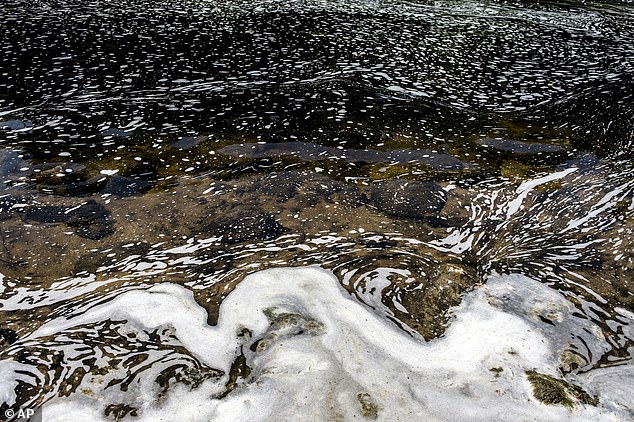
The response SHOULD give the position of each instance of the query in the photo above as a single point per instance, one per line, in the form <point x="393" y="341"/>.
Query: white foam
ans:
<point x="319" y="377"/>
<point x="526" y="187"/>
<point x="608" y="201"/>
<point x="109" y="172"/>
<point x="59" y="291"/>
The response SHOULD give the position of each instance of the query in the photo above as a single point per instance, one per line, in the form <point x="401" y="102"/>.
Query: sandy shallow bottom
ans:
<point x="314" y="353"/>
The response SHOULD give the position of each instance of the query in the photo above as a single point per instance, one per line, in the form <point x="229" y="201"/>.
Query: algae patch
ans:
<point x="369" y="408"/>
<point x="550" y="390"/>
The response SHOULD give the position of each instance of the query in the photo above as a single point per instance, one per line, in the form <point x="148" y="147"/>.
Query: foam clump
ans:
<point x="296" y="346"/>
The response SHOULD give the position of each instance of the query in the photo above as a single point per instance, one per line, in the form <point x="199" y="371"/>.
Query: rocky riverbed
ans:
<point x="391" y="206"/>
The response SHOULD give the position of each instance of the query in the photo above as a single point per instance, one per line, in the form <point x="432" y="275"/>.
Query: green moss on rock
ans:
<point x="554" y="391"/>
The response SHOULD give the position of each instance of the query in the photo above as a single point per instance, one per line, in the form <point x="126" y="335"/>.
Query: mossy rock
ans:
<point x="554" y="391"/>
<point x="516" y="171"/>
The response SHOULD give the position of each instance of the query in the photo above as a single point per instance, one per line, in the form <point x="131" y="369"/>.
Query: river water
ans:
<point x="317" y="210"/>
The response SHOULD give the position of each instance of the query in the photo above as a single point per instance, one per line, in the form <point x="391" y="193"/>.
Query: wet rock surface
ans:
<point x="520" y="147"/>
<point x="282" y="186"/>
<point x="427" y="303"/>
<point x="188" y="142"/>
<point x="244" y="224"/>
<point x="15" y="124"/>
<point x="89" y="263"/>
<point x="10" y="165"/>
<point x="285" y="325"/>
<point x="258" y="221"/>
<point x="312" y="152"/>
<point x="408" y="199"/>
<point x="124" y="186"/>
<point x="10" y="203"/>
<point x="193" y="143"/>
<point x="89" y="220"/>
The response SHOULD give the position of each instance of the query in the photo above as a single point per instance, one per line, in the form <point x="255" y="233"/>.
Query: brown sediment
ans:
<point x="305" y="204"/>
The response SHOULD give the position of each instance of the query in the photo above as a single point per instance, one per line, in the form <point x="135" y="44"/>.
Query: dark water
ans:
<point x="412" y="148"/>
<point x="88" y="78"/>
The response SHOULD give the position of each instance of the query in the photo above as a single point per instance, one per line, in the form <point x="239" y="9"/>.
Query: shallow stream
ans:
<point x="317" y="210"/>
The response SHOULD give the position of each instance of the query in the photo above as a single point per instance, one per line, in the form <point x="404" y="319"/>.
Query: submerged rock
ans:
<point x="11" y="204"/>
<point x="46" y="214"/>
<point x="520" y="147"/>
<point x="15" y="124"/>
<point x="10" y="163"/>
<point x="305" y="188"/>
<point x="125" y="186"/>
<point x="94" y="231"/>
<point x="408" y="199"/>
<point x="66" y="179"/>
<point x="188" y="142"/>
<point x="91" y="261"/>
<point x="245" y="224"/>
<point x="311" y="152"/>
<point x="282" y="186"/>
<point x="90" y="220"/>
<point x="115" y="133"/>
<point x="77" y="188"/>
